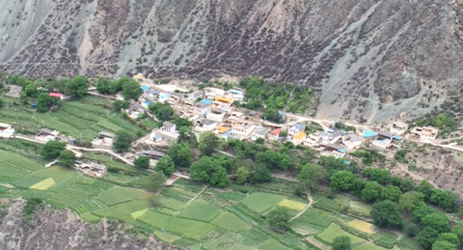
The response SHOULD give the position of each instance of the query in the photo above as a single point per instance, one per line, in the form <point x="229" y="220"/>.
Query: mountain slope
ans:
<point x="372" y="60"/>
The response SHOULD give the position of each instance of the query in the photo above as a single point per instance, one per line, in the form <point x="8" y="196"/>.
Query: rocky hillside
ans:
<point x="372" y="60"/>
<point x="61" y="229"/>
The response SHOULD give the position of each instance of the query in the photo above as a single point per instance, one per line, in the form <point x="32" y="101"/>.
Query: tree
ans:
<point x="427" y="237"/>
<point x="422" y="210"/>
<point x="162" y="111"/>
<point x="31" y="90"/>
<point x="391" y="193"/>
<point x="342" y="180"/>
<point x="409" y="201"/>
<point x="342" y="243"/>
<point x="407" y="185"/>
<point x="67" y="158"/>
<point x="458" y="230"/>
<point x="411" y="229"/>
<point x="278" y="219"/>
<point x="181" y="154"/>
<point x="310" y="176"/>
<point x="262" y="174"/>
<point x="450" y="237"/>
<point x="52" y="149"/>
<point x="436" y="221"/>
<point x="273" y="159"/>
<point x="44" y="102"/>
<point x="118" y="105"/>
<point x="385" y="214"/>
<point x="443" y="245"/>
<point x="103" y="85"/>
<point x="271" y="114"/>
<point x="76" y="87"/>
<point x="131" y="89"/>
<point x="379" y="175"/>
<point x="208" y="143"/>
<point x="207" y="170"/>
<point x="156" y="182"/>
<point x="371" y="191"/>
<point x="122" y="142"/>
<point x="166" y="165"/>
<point x="425" y="188"/>
<point x="331" y="163"/>
<point x="142" y="162"/>
<point x="445" y="199"/>
<point x="242" y="174"/>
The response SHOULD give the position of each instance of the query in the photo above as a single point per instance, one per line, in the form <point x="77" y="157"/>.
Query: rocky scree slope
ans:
<point x="62" y="229"/>
<point x="372" y="60"/>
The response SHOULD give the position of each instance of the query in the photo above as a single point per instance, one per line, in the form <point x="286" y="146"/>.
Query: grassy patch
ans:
<point x="272" y="244"/>
<point x="334" y="231"/>
<point x="189" y="228"/>
<point x="259" y="202"/>
<point x="118" y="195"/>
<point x="13" y="166"/>
<point x="43" y="185"/>
<point x="368" y="246"/>
<point x="200" y="210"/>
<point x="166" y="237"/>
<point x="89" y="217"/>
<point x="409" y="244"/>
<point x="386" y="239"/>
<point x="362" y="226"/>
<point x="230" y="222"/>
<point x="359" y="208"/>
<point x="124" y="211"/>
<point x="293" y="205"/>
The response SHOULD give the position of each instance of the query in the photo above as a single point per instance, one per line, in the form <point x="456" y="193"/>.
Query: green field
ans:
<point x="334" y="231"/>
<point x="189" y="228"/>
<point x="124" y="211"/>
<point x="118" y="195"/>
<point x="13" y="166"/>
<point x="200" y="210"/>
<point x="273" y="245"/>
<point x="368" y="246"/>
<point x="259" y="202"/>
<point x="230" y="222"/>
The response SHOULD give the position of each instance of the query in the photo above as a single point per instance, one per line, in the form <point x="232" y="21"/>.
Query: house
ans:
<point x="175" y="98"/>
<point x="332" y="150"/>
<point x="424" y="133"/>
<point x="312" y="140"/>
<point x="296" y="129"/>
<point x="275" y="134"/>
<point x="386" y="140"/>
<point x="299" y="138"/>
<point x="139" y="78"/>
<point x="207" y="125"/>
<point x="351" y="141"/>
<point x="153" y="154"/>
<point x="399" y="128"/>
<point x="222" y="103"/>
<point x="169" y="127"/>
<point x="235" y="94"/>
<point x="368" y="135"/>
<point x="192" y="97"/>
<point x="331" y="136"/>
<point x="260" y="132"/>
<point x="56" y="95"/>
<point x="104" y="140"/>
<point x="227" y="135"/>
<point x="157" y="137"/>
<point x="164" y="97"/>
<point x="216" y="115"/>
<point x="6" y="130"/>
<point x="242" y="129"/>
<point x="92" y="169"/>
<point x="222" y="130"/>
<point x="47" y="134"/>
<point x="211" y="93"/>
<point x="203" y="107"/>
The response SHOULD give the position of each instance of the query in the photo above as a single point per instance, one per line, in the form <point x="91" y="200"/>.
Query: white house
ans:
<point x="351" y="141"/>
<point x="331" y="136"/>
<point x="203" y="107"/>
<point x="211" y="93"/>
<point x="207" y="125"/>
<point x="296" y="129"/>
<point x="169" y="127"/>
<point x="260" y="132"/>
<point x="243" y="129"/>
<point x="216" y="115"/>
<point x="235" y="94"/>
<point x="6" y="131"/>
<point x="312" y="140"/>
<point x="399" y="128"/>
<point x="426" y="133"/>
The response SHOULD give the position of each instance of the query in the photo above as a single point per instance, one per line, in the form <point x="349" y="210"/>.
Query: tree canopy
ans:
<point x="210" y="171"/>
<point x="142" y="162"/>
<point x="386" y="214"/>
<point x="52" y="149"/>
<point x="181" y="154"/>
<point x="67" y="158"/>
<point x="166" y="165"/>
<point x="131" y="89"/>
<point x="310" y="176"/>
<point x="342" y="243"/>
<point x="122" y="142"/>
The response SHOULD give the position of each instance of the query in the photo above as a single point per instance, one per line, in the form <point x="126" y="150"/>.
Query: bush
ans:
<point x="142" y="162"/>
<point x="278" y="219"/>
<point x="52" y="149"/>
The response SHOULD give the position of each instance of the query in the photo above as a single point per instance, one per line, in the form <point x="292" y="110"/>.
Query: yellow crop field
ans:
<point x="43" y="185"/>
<point x="136" y="215"/>
<point x="362" y="226"/>
<point x="293" y="205"/>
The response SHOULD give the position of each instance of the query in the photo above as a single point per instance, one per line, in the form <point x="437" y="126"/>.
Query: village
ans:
<point x="218" y="111"/>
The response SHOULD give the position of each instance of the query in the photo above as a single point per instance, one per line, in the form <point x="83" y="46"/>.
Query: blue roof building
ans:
<point x="145" y="87"/>
<point x="368" y="134"/>
<point x="206" y="101"/>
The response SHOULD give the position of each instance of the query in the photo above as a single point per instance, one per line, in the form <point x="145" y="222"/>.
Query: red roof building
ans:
<point x="57" y="95"/>
<point x="274" y="135"/>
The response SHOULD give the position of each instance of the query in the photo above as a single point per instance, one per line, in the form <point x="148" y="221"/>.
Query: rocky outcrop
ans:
<point x="372" y="60"/>
<point x="63" y="230"/>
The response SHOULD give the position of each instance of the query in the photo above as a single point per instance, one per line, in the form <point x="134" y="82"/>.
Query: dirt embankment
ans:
<point x="50" y="229"/>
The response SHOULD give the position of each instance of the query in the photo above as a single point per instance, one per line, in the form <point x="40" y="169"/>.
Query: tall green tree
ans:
<point x="208" y="143"/>
<point x="103" y="85"/>
<point x="181" y="154"/>
<point x="166" y="165"/>
<point x="386" y="214"/>
<point x="436" y="221"/>
<point x="342" y="243"/>
<point x="45" y="102"/>
<point x="391" y="193"/>
<point x="131" y="89"/>
<point x="156" y="182"/>
<point x="427" y="237"/>
<point x="142" y="162"/>
<point x="206" y="170"/>
<point x="76" y="87"/>
<point x="372" y="191"/>
<point x="123" y="141"/>
<point x="52" y="149"/>
<point x="342" y="180"/>
<point x="278" y="219"/>
<point x="409" y="201"/>
<point x="310" y="176"/>
<point x="67" y="158"/>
